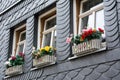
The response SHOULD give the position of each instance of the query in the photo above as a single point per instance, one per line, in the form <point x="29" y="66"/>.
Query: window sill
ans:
<point x="13" y="75"/>
<point x="75" y="56"/>
<point x="39" y="67"/>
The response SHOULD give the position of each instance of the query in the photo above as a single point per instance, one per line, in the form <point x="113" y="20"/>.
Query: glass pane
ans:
<point x="54" y="39"/>
<point x="89" y="4"/>
<point x="100" y="21"/>
<point x="47" y="39"/>
<point x="23" y="36"/>
<point x="21" y="46"/>
<point x="51" y="23"/>
<point x="87" y="21"/>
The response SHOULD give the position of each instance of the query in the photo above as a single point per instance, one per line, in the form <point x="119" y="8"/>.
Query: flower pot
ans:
<point x="44" y="60"/>
<point x="86" y="47"/>
<point x="14" y="70"/>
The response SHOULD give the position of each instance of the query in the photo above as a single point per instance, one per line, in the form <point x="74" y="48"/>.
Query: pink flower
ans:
<point x="68" y="40"/>
<point x="21" y="54"/>
<point x="13" y="57"/>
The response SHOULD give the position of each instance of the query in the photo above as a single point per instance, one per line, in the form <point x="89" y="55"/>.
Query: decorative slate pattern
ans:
<point x="6" y="4"/>
<point x="29" y="43"/>
<point x="26" y="9"/>
<point x="4" y="38"/>
<point x="95" y="67"/>
<point x="104" y="71"/>
<point x="111" y="24"/>
<point x="63" y="29"/>
<point x="118" y="10"/>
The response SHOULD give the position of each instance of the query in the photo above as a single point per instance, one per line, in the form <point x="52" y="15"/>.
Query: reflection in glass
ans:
<point x="51" y="23"/>
<point x="89" y="4"/>
<point x="23" y="36"/>
<point x="21" y="46"/>
<point x="47" y="39"/>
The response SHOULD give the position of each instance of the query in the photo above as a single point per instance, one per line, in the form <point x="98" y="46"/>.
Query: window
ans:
<point x="91" y="14"/>
<point x="88" y="14"/>
<point x="19" y="40"/>
<point x="49" y="33"/>
<point x="47" y="29"/>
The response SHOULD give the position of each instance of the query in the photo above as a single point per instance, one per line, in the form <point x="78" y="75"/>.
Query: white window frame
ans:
<point x="93" y="11"/>
<point x="20" y="42"/>
<point x="14" y="50"/>
<point x="52" y="30"/>
<point x="40" y="29"/>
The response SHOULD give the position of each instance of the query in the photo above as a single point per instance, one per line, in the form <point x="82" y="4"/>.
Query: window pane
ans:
<point x="51" y="23"/>
<point x="100" y="21"/>
<point x="89" y="4"/>
<point x="23" y="36"/>
<point x="47" y="39"/>
<point x="21" y="46"/>
<point x="87" y="21"/>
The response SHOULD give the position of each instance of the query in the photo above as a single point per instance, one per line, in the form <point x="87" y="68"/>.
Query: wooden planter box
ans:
<point x="14" y="70"/>
<point x="44" y="61"/>
<point x="86" y="47"/>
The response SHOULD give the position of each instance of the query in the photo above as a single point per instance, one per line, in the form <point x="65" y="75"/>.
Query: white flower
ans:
<point x="10" y="58"/>
<point x="7" y="63"/>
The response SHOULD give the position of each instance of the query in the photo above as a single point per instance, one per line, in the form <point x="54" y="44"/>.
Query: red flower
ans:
<point x="21" y="54"/>
<point x="13" y="57"/>
<point x="83" y="36"/>
<point x="85" y="33"/>
<point x="90" y="31"/>
<point x="101" y="30"/>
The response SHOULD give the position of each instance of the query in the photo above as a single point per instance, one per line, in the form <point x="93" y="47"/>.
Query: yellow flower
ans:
<point x="41" y="49"/>
<point x="55" y="49"/>
<point x="81" y="39"/>
<point x="94" y="30"/>
<point x="47" y="48"/>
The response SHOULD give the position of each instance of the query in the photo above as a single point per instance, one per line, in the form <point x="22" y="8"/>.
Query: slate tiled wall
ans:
<point x="103" y="65"/>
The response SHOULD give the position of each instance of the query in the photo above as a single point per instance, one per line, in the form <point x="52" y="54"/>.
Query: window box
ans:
<point x="86" y="47"/>
<point x="14" y="65"/>
<point x="14" y="70"/>
<point x="44" y="56"/>
<point x="44" y="60"/>
<point x="87" y="42"/>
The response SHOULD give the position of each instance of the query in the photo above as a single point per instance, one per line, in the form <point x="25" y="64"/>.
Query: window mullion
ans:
<point x="24" y="46"/>
<point x="94" y="17"/>
<point x="52" y="37"/>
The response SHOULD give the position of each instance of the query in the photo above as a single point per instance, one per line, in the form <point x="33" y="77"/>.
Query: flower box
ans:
<point x="14" y="70"/>
<point x="44" y="60"/>
<point x="86" y="47"/>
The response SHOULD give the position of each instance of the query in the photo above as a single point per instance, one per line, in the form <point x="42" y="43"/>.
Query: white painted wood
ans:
<point x="14" y="70"/>
<point x="92" y="11"/>
<point x="86" y="47"/>
<point x="45" y="31"/>
<point x="44" y="60"/>
<point x="14" y="39"/>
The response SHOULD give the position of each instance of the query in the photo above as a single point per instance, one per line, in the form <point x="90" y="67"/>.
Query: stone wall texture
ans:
<point x="104" y="65"/>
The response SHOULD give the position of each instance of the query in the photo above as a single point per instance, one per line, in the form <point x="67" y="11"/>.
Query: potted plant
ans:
<point x="44" y="56"/>
<point x="86" y="42"/>
<point x="14" y="65"/>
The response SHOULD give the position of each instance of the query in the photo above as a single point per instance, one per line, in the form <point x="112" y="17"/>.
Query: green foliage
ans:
<point x="47" y="50"/>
